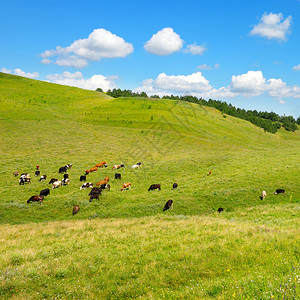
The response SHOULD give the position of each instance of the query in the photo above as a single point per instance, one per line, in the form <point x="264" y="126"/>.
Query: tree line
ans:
<point x="269" y="121"/>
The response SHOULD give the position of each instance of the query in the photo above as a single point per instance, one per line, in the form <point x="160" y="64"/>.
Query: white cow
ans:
<point x="263" y="195"/>
<point x="56" y="184"/>
<point x="86" y="185"/>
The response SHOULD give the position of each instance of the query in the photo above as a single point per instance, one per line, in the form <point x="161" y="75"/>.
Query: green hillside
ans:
<point x="123" y="245"/>
<point x="52" y="125"/>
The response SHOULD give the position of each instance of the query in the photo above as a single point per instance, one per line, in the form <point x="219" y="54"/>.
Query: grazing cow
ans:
<point x="220" y="209"/>
<point x="63" y="169"/>
<point x="135" y="166"/>
<point x="45" y="192"/>
<point x="56" y="184"/>
<point x="209" y="173"/>
<point x="95" y="193"/>
<point x="82" y="178"/>
<point x="35" y="199"/>
<point x="87" y="172"/>
<point x="37" y="167"/>
<point x="93" y="169"/>
<point x="126" y="186"/>
<point x="66" y="176"/>
<point x="37" y="173"/>
<point x="115" y="167"/>
<point x="105" y="186"/>
<point x="175" y="186"/>
<point x="65" y="181"/>
<point x="24" y="178"/>
<point x="154" y="187"/>
<point x="52" y="180"/>
<point x="263" y="195"/>
<point x="106" y="179"/>
<point x="101" y="165"/>
<point x="16" y="173"/>
<point x="43" y="178"/>
<point x="117" y="176"/>
<point x="86" y="185"/>
<point x="75" y="209"/>
<point x="168" y="205"/>
<point x="279" y="191"/>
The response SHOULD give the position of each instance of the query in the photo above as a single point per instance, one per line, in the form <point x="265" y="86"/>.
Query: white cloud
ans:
<point x="296" y="68"/>
<point x="271" y="27"/>
<point x="195" y="49"/>
<point x="71" y="61"/>
<point x="164" y="42"/>
<point x="4" y="70"/>
<point x="207" y="67"/>
<point x="20" y="72"/>
<point x="100" y="44"/>
<point x="46" y="61"/>
<point x="76" y="79"/>
<point x="250" y="84"/>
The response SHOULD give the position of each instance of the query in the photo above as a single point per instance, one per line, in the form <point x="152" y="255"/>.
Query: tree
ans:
<point x="99" y="90"/>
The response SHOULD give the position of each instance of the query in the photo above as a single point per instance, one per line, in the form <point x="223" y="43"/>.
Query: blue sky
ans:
<point x="242" y="52"/>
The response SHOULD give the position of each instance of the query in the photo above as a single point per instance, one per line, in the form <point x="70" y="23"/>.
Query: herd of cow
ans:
<point x="96" y="191"/>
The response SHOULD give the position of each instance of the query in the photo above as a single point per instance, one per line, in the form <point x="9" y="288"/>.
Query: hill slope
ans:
<point x="124" y="246"/>
<point x="51" y="125"/>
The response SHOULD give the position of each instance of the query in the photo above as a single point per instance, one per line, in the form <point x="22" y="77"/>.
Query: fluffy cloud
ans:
<point x="76" y="79"/>
<point x="100" y="44"/>
<point x="296" y="68"/>
<point x="195" y="49"/>
<point x="20" y="72"/>
<point x="250" y="84"/>
<point x="164" y="42"/>
<point x="272" y="26"/>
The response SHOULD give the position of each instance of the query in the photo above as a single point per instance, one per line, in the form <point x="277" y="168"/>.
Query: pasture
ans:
<point x="123" y="245"/>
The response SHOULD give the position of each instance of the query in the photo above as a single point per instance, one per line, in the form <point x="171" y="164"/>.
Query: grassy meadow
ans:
<point x="123" y="245"/>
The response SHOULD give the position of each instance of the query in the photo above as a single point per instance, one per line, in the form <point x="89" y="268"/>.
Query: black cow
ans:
<point x="53" y="180"/>
<point x="66" y="176"/>
<point x="82" y="178"/>
<point x="95" y="193"/>
<point x="105" y="186"/>
<point x="220" y="209"/>
<point x="117" y="176"/>
<point x="175" y="186"/>
<point x="45" y="192"/>
<point x="35" y="199"/>
<point x="168" y="205"/>
<point x="279" y="191"/>
<point x="37" y="173"/>
<point x="63" y="169"/>
<point x="154" y="187"/>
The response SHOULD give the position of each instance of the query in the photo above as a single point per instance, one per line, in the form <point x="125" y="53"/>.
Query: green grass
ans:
<point x="123" y="245"/>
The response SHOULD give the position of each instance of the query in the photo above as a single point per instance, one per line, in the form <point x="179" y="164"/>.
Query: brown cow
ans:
<point x="16" y="173"/>
<point x="126" y="186"/>
<point x="75" y="209"/>
<point x="154" y="187"/>
<point x="87" y="172"/>
<point x="168" y="205"/>
<point x="102" y="164"/>
<point x="35" y="199"/>
<point x="93" y="169"/>
<point x="105" y="181"/>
